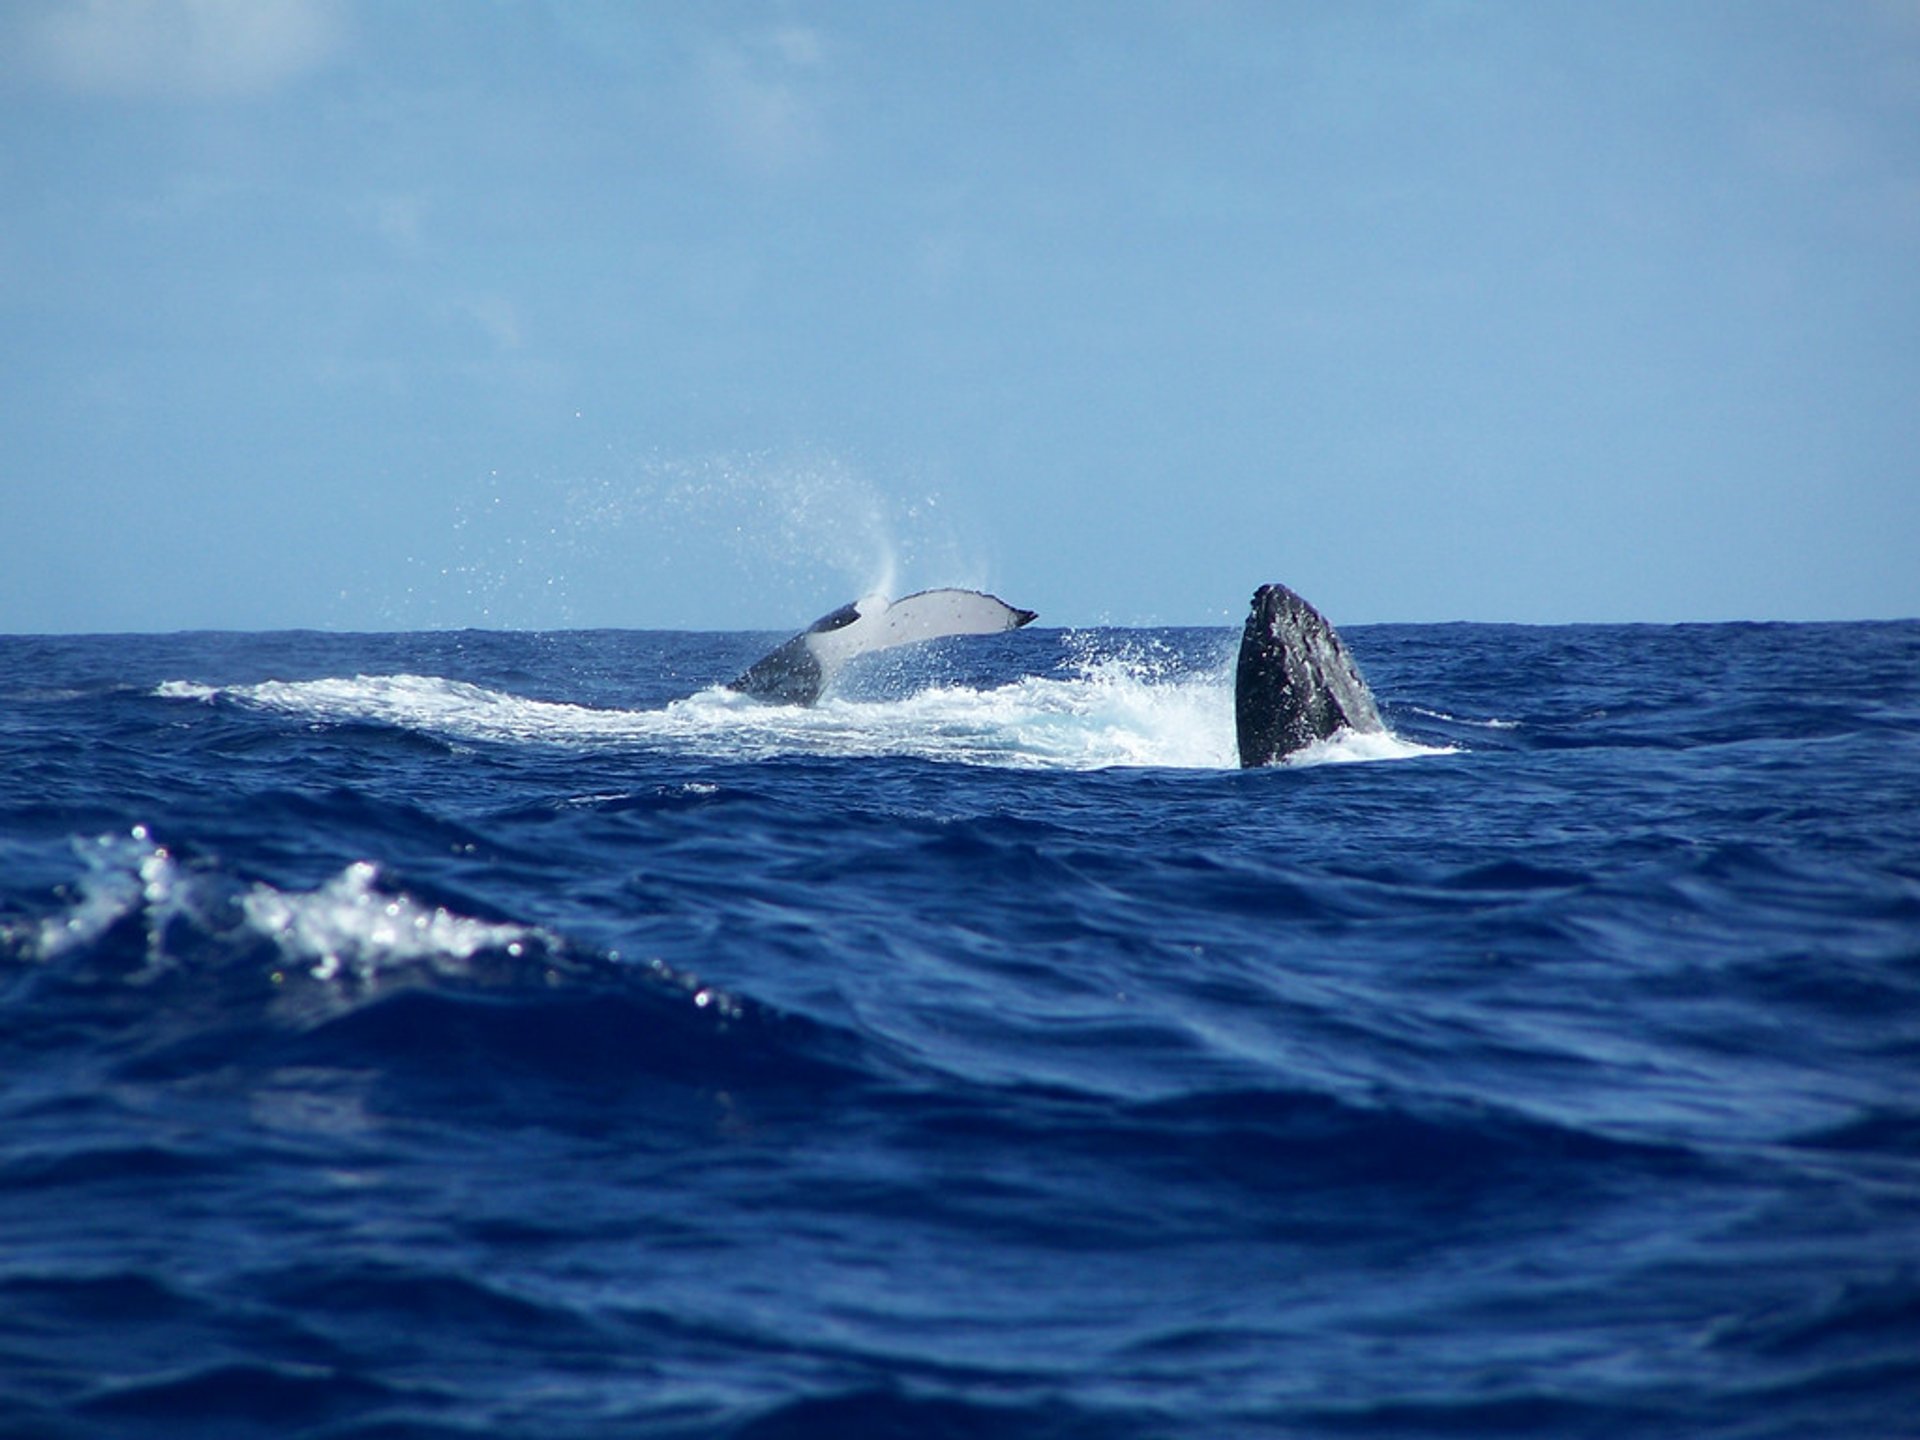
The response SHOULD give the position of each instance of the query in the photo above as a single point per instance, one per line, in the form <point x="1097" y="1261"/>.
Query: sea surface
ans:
<point x="514" y="1035"/>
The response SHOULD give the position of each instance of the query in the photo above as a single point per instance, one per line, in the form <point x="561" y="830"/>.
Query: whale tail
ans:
<point x="1296" y="681"/>
<point x="801" y="669"/>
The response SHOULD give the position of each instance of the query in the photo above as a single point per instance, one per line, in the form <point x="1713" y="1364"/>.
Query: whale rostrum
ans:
<point x="1296" y="681"/>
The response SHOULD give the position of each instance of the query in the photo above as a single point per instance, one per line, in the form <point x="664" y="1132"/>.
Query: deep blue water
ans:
<point x="460" y="1034"/>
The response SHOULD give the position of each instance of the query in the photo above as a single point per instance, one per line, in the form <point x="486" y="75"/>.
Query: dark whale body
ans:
<point x="1296" y="682"/>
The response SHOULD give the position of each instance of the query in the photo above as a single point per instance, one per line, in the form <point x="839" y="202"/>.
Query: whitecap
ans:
<point x="125" y="873"/>
<point x="350" y="929"/>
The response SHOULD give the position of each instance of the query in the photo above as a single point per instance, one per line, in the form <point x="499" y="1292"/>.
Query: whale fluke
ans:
<point x="798" y="671"/>
<point x="1296" y="682"/>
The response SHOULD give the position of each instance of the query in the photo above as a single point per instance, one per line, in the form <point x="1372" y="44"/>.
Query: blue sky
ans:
<point x="709" y="315"/>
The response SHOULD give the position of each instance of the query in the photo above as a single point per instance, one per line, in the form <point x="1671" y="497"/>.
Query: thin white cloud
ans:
<point x="797" y="45"/>
<point x="397" y="218"/>
<point x="493" y="317"/>
<point x="763" y="94"/>
<point x="185" y="49"/>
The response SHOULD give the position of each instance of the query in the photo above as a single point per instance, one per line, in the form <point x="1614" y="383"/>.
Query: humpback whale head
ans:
<point x="1296" y="681"/>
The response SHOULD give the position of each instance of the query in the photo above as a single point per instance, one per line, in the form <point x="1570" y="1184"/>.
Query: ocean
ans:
<point x="512" y="1034"/>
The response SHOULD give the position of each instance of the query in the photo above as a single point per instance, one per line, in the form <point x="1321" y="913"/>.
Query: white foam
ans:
<point x="185" y="690"/>
<point x="430" y="704"/>
<point x="124" y="874"/>
<point x="1356" y="747"/>
<point x="349" y="929"/>
<point x="1494" y="724"/>
<point x="1113" y="711"/>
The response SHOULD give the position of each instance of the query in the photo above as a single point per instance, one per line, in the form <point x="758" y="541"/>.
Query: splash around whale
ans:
<point x="1295" y="684"/>
<point x="1076" y="700"/>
